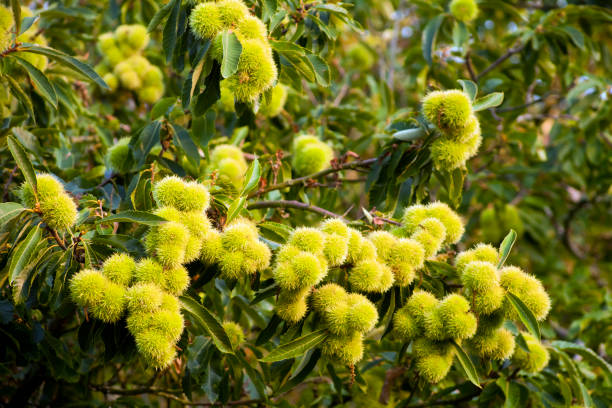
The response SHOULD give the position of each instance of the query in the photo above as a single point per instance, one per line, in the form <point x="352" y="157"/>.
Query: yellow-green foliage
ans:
<point x="348" y="349"/>
<point x="118" y="154"/>
<point x="344" y="313"/>
<point x="481" y="252"/>
<point x="360" y="57"/>
<point x="359" y="248"/>
<point x="310" y="155"/>
<point x="144" y="298"/>
<point x="91" y="289"/>
<point x="497" y="344"/>
<point x="403" y="255"/>
<point x="370" y="275"/>
<point x="87" y="286"/>
<point x="123" y="63"/>
<point x="296" y="269"/>
<point x="533" y="361"/>
<point x="242" y="253"/>
<point x="184" y="196"/>
<point x="167" y="243"/>
<point x="418" y="217"/>
<point x="57" y="209"/>
<point x="527" y="288"/>
<point x="292" y="306"/>
<point x="273" y="106"/>
<point x="6" y="22"/>
<point x="460" y="135"/>
<point x="149" y="270"/>
<point x="119" y="268"/>
<point x="256" y="70"/>
<point x="226" y="100"/>
<point x="433" y="360"/>
<point x="464" y="10"/>
<point x="495" y="223"/>
<point x="235" y="333"/>
<point x="229" y="163"/>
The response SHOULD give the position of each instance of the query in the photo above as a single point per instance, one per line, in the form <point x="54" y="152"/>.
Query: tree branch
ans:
<point x="306" y="179"/>
<point x="293" y="204"/>
<point x="500" y="60"/>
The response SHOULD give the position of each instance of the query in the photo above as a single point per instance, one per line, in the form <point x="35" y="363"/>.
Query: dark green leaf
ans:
<point x="296" y="347"/>
<point x="40" y="81"/>
<point x="586" y="353"/>
<point x="430" y="34"/>
<point x="159" y="16"/>
<point x="467" y="365"/>
<point x="469" y="88"/>
<point x="8" y="211"/>
<point x="21" y="96"/>
<point x="22" y="160"/>
<point x="169" y="40"/>
<point x="16" y="14"/>
<point x="209" y="322"/>
<point x="23" y="253"/>
<point x="525" y="314"/>
<point x="139" y="217"/>
<point x="162" y="107"/>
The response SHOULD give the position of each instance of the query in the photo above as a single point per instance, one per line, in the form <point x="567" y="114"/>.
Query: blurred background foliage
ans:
<point x="354" y="78"/>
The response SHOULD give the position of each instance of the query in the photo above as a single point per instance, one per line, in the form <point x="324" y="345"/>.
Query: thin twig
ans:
<point x="293" y="204"/>
<point x="500" y="60"/>
<point x="306" y="179"/>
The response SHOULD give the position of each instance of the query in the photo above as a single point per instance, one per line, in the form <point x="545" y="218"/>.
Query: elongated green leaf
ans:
<point x="184" y="141"/>
<point x="321" y="70"/>
<point x="162" y="107"/>
<point x="408" y="135"/>
<point x="159" y="16"/>
<point x="209" y="322"/>
<point x="296" y="347"/>
<point x="231" y="53"/>
<point x="306" y="366"/>
<point x="66" y="60"/>
<point x="23" y="253"/>
<point x="26" y="23"/>
<point x="467" y="365"/>
<point x="21" y="158"/>
<point x="8" y="211"/>
<point x="525" y="314"/>
<point x="16" y="15"/>
<point x="169" y="39"/>
<point x="430" y="34"/>
<point x="506" y="247"/>
<point x="574" y="377"/>
<point x="41" y="83"/>
<point x="20" y="94"/>
<point x="490" y="101"/>
<point x="235" y="208"/>
<point x="469" y="87"/>
<point x="139" y="217"/>
<point x="586" y="353"/>
<point x="252" y="178"/>
<point x="22" y="281"/>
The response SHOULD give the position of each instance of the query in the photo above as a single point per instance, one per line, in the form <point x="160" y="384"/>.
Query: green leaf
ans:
<point x="162" y="107"/>
<point x="16" y="15"/>
<point x="22" y="160"/>
<point x="139" y="217"/>
<point x="506" y="247"/>
<point x="252" y="178"/>
<point x="231" y="53"/>
<point x="21" y="96"/>
<point x="235" y="208"/>
<point x="26" y="23"/>
<point x="469" y="87"/>
<point x="430" y="34"/>
<point x="525" y="314"/>
<point x="296" y="347"/>
<point x="467" y="365"/>
<point x="41" y="83"/>
<point x="8" y="211"/>
<point x="408" y="135"/>
<point x="489" y="101"/>
<point x="586" y="353"/>
<point x="159" y="16"/>
<point x="169" y="39"/>
<point x="185" y="142"/>
<point x="23" y="253"/>
<point x="306" y="366"/>
<point x="209" y="322"/>
<point x="321" y="70"/>
<point x="66" y="60"/>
